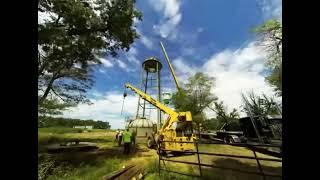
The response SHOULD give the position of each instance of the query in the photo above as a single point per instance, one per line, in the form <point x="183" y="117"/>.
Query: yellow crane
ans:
<point x="176" y="129"/>
<point x="170" y="66"/>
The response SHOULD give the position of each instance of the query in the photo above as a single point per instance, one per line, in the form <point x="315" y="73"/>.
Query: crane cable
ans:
<point x="124" y="96"/>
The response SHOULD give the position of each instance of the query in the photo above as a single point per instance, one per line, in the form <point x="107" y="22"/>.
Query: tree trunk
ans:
<point x="198" y="127"/>
<point x="46" y="92"/>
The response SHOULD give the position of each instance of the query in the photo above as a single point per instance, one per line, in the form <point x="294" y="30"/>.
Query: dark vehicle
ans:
<point x="267" y="128"/>
<point x="231" y="136"/>
<point x="228" y="133"/>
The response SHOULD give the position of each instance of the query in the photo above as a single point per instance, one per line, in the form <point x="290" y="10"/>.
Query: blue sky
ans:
<point x="211" y="36"/>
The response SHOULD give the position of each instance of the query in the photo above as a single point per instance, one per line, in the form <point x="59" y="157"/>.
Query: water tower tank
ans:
<point x="152" y="65"/>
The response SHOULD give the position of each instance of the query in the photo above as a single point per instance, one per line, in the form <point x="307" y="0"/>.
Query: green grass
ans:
<point x="89" y="166"/>
<point x="76" y="165"/>
<point x="57" y="135"/>
<point x="215" y="173"/>
<point x="87" y="172"/>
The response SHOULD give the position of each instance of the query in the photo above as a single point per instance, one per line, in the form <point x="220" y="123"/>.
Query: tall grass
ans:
<point x="85" y="171"/>
<point x="153" y="173"/>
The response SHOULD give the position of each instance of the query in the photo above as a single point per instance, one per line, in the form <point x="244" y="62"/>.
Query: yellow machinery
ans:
<point x="170" y="66"/>
<point x="176" y="129"/>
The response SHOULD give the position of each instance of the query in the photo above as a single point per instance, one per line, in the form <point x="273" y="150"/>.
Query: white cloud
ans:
<point x="133" y="59"/>
<point x="45" y="17"/>
<point x="96" y="94"/>
<point x="146" y="41"/>
<point x="168" y="28"/>
<point x="183" y="70"/>
<point x="77" y="65"/>
<point x="122" y="64"/>
<point x="105" y="62"/>
<point x="107" y="107"/>
<point x="187" y="51"/>
<point x="170" y="9"/>
<point x="271" y="8"/>
<point x="199" y="30"/>
<point x="131" y="55"/>
<point x="136" y="21"/>
<point x="236" y="71"/>
<point x="102" y="71"/>
<point x="133" y="51"/>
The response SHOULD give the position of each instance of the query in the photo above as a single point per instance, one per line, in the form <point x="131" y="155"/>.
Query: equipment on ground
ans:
<point x="176" y="129"/>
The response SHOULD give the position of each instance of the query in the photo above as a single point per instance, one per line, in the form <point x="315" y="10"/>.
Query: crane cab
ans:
<point x="180" y="131"/>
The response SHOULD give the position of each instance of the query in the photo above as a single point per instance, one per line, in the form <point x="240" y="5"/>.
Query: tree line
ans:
<point x="45" y="122"/>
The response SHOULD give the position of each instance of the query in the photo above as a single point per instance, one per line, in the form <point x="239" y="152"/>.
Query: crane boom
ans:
<point x="152" y="101"/>
<point x="171" y="68"/>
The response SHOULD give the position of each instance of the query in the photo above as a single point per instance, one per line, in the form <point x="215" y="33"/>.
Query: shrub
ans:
<point x="80" y="131"/>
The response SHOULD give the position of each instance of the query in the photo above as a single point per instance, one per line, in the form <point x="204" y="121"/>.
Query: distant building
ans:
<point x="83" y="127"/>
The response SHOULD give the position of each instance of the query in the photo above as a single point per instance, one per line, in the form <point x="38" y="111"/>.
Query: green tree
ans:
<point x="73" y="38"/>
<point x="275" y="79"/>
<point x="51" y="107"/>
<point x="195" y="97"/>
<point x="210" y="124"/>
<point x="224" y="118"/>
<point x="270" y="34"/>
<point x="68" y="122"/>
<point x="260" y="106"/>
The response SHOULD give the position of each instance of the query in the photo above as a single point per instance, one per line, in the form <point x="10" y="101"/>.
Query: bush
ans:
<point x="80" y="131"/>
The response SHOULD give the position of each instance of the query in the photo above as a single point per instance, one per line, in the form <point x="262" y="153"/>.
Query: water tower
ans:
<point x="150" y="84"/>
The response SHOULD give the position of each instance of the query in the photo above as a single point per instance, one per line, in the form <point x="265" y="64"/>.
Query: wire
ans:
<point x="124" y="96"/>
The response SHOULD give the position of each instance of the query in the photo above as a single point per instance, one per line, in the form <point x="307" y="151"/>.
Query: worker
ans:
<point x="120" y="137"/>
<point x="127" y="141"/>
<point x="117" y="134"/>
<point x="133" y="138"/>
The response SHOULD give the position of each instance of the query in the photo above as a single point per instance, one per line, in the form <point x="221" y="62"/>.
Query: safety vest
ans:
<point x="126" y="137"/>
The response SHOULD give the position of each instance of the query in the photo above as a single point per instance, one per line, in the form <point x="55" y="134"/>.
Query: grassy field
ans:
<point x="76" y="165"/>
<point x="214" y="173"/>
<point x="108" y="158"/>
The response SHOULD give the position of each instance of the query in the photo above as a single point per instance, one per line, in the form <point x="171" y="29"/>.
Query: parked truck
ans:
<point x="268" y="130"/>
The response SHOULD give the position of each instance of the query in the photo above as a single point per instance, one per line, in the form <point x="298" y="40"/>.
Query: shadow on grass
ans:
<point x="224" y="174"/>
<point x="93" y="156"/>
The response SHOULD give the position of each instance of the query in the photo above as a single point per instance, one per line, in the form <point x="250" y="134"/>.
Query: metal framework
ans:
<point x="198" y="153"/>
<point x="150" y="80"/>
